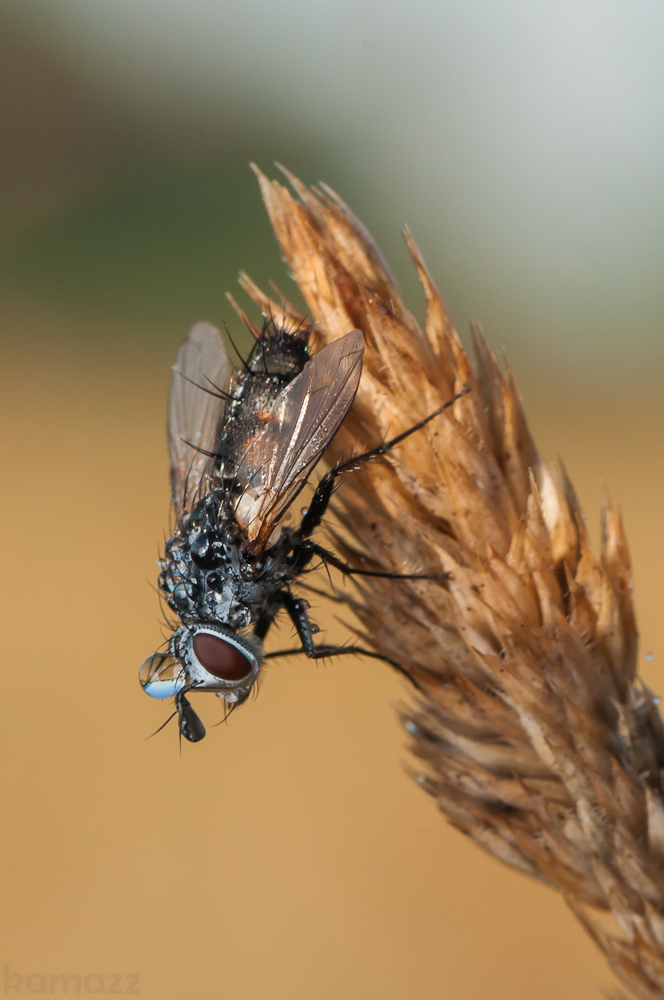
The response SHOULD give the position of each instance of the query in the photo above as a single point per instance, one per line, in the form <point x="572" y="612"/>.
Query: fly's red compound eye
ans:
<point x="220" y="658"/>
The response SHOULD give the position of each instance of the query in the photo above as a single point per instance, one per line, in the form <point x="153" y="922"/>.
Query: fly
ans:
<point x="241" y="450"/>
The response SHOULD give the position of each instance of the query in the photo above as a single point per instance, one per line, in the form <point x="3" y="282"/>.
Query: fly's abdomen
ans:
<point x="276" y="358"/>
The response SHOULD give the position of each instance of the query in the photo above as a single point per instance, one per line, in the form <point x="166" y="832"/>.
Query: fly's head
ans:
<point x="202" y="657"/>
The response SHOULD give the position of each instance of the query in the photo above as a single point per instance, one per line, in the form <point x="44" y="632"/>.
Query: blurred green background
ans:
<point x="287" y="856"/>
<point x="523" y="143"/>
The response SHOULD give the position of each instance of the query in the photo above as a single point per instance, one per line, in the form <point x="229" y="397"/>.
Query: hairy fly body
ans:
<point x="241" y="451"/>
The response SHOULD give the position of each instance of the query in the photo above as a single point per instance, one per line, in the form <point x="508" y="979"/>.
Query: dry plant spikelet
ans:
<point x="538" y="739"/>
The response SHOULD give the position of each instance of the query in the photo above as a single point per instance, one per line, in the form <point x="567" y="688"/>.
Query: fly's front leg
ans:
<point x="297" y="609"/>
<point x="264" y="623"/>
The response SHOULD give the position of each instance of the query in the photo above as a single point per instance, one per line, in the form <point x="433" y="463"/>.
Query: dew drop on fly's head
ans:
<point x="161" y="676"/>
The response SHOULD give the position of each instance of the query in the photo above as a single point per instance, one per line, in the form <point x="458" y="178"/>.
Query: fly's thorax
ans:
<point x="208" y="573"/>
<point x="217" y="658"/>
<point x="198" y="574"/>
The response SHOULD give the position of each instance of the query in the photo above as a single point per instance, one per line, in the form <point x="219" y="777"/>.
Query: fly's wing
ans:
<point x="301" y="422"/>
<point x="194" y="414"/>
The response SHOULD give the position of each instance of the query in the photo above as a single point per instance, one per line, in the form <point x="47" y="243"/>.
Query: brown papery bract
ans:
<point x="536" y="736"/>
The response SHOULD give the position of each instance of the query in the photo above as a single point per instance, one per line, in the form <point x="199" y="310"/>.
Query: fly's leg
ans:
<point x="322" y="652"/>
<point x="323" y="492"/>
<point x="310" y="548"/>
<point x="262" y="626"/>
<point x="297" y="610"/>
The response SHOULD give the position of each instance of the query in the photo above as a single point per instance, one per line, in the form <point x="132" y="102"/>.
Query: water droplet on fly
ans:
<point x="161" y="676"/>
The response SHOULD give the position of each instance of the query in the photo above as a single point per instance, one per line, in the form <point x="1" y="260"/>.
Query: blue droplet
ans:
<point x="164" y="689"/>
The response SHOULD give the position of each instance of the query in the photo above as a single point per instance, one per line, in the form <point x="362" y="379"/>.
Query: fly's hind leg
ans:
<point x="323" y="492"/>
<point x="313" y="549"/>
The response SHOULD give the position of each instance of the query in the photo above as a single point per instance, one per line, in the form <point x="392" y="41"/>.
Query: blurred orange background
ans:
<point x="287" y="856"/>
